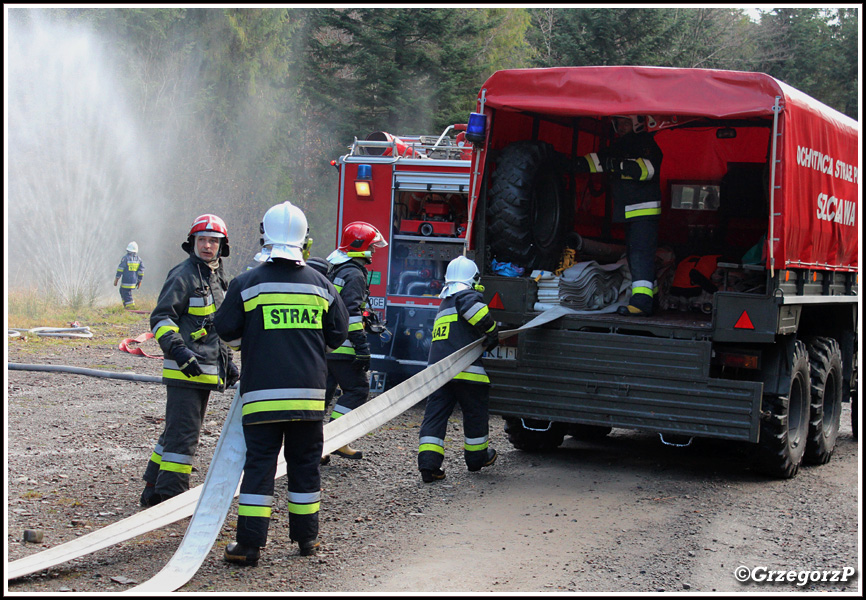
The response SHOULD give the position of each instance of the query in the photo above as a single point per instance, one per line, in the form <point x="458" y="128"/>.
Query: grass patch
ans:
<point x="27" y="308"/>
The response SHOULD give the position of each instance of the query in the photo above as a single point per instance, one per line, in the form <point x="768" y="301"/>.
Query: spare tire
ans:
<point x="528" y="213"/>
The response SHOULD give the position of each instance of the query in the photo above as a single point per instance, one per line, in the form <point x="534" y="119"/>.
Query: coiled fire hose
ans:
<point x="210" y="502"/>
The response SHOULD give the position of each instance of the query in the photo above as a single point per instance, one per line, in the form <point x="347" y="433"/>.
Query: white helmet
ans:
<point x="132" y="247"/>
<point x="284" y="228"/>
<point x="461" y="274"/>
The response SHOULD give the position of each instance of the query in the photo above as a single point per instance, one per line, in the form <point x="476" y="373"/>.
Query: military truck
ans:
<point x="756" y="175"/>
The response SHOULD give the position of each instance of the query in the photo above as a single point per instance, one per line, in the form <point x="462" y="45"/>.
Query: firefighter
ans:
<point x="633" y="162"/>
<point x="283" y="316"/>
<point x="462" y="318"/>
<point x="196" y="361"/>
<point x="130" y="272"/>
<point x="349" y="365"/>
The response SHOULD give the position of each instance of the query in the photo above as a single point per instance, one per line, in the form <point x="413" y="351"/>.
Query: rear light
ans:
<point x="739" y="360"/>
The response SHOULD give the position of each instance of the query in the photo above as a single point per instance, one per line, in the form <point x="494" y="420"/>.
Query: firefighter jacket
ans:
<point x="184" y="312"/>
<point x="130" y="270"/>
<point x="283" y="317"/>
<point x="350" y="280"/>
<point x="633" y="161"/>
<point x="462" y="318"/>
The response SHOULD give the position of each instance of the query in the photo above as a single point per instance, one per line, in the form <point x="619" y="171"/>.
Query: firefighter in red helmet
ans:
<point x="349" y="365"/>
<point x="196" y="360"/>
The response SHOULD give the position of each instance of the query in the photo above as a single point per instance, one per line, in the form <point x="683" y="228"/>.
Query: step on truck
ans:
<point x="414" y="189"/>
<point x="758" y="179"/>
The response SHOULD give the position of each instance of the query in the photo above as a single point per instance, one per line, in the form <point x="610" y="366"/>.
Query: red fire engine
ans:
<point x="414" y="189"/>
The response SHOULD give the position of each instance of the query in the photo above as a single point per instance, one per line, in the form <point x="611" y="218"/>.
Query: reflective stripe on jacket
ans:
<point x="130" y="270"/>
<point x="190" y="296"/>
<point x="462" y="318"/>
<point x="284" y="317"/>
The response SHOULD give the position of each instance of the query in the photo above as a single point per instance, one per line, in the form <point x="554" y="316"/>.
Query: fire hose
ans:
<point x="78" y="332"/>
<point x="209" y="503"/>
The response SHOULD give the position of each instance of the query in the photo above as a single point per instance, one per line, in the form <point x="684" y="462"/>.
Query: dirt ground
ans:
<point x="626" y="514"/>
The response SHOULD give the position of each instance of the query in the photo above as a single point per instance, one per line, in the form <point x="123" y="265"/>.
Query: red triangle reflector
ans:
<point x="744" y="322"/>
<point x="496" y="302"/>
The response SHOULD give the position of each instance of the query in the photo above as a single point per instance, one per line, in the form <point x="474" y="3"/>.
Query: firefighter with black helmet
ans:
<point x="463" y="317"/>
<point x="283" y="316"/>
<point x="633" y="162"/>
<point x="196" y="361"/>
<point x="349" y="365"/>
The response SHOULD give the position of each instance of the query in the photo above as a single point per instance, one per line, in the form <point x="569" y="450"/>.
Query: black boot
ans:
<point x="309" y="547"/>
<point x="237" y="553"/>
<point x="429" y="476"/>
<point x="492" y="455"/>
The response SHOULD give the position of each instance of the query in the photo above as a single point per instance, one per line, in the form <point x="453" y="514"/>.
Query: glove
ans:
<point x="187" y="361"/>
<point x="363" y="361"/>
<point x="138" y="285"/>
<point x="613" y="166"/>
<point x="233" y="374"/>
<point x="115" y="283"/>
<point x="491" y="340"/>
<point x="580" y="165"/>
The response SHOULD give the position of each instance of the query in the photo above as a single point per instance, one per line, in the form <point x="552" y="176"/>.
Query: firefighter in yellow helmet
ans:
<point x="462" y="318"/>
<point x="283" y="316"/>
<point x="196" y="361"/>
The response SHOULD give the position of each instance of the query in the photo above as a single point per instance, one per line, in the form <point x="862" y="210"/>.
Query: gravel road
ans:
<point x="625" y="514"/>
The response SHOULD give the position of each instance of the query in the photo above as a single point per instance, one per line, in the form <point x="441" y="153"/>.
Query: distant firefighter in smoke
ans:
<point x="130" y="272"/>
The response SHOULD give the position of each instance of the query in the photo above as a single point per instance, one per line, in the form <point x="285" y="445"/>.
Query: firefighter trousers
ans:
<point x="473" y="400"/>
<point x="302" y="443"/>
<point x="641" y="242"/>
<point x="126" y="297"/>
<point x="170" y="464"/>
<point x="354" y="382"/>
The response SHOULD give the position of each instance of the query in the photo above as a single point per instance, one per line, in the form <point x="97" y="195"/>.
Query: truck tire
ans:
<point x="825" y="413"/>
<point x="528" y="212"/>
<point x="785" y="425"/>
<point x="534" y="436"/>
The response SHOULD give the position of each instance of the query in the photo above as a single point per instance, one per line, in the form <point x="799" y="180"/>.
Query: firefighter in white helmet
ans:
<point x="283" y="316"/>
<point x="348" y="365"/>
<point x="463" y="317"/>
<point x="633" y="163"/>
<point x="196" y="361"/>
<point x="130" y="272"/>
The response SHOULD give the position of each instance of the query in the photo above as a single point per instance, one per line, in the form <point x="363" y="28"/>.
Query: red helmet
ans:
<point x="210" y="225"/>
<point x="360" y="237"/>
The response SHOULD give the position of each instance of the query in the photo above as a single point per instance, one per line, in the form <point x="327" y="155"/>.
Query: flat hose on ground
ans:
<point x="209" y="503"/>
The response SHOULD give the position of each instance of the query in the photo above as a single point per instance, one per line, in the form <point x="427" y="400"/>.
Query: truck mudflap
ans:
<point x="664" y="386"/>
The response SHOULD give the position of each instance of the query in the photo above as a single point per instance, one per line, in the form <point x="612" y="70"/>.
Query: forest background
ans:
<point x="125" y="123"/>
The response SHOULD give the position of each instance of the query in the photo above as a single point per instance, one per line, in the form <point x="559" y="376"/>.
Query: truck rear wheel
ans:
<point x="825" y="412"/>
<point x="785" y="427"/>
<point x="534" y="436"/>
<point x="528" y="212"/>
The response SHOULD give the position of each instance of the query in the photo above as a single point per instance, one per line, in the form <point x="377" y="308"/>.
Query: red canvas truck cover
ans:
<point x="815" y="199"/>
